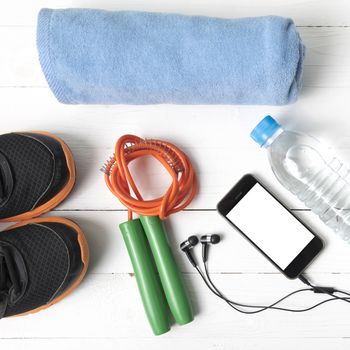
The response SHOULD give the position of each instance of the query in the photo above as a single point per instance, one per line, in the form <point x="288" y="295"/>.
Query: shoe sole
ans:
<point x="60" y="196"/>
<point x="84" y="257"/>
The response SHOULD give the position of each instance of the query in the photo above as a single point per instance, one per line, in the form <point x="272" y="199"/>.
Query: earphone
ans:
<point x="186" y="246"/>
<point x="207" y="240"/>
<point x="192" y="241"/>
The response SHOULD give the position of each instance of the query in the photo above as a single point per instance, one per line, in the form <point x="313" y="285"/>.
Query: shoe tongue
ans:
<point x="8" y="273"/>
<point x="13" y="276"/>
<point x="6" y="180"/>
<point x="4" y="286"/>
<point x="13" y="272"/>
<point x="3" y="274"/>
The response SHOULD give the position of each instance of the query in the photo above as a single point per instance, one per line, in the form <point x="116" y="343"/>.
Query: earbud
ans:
<point x="187" y="245"/>
<point x="213" y="239"/>
<point x="206" y="240"/>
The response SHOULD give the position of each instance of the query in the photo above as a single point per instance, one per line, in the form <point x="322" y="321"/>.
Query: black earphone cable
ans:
<point x="214" y="239"/>
<point x="261" y="307"/>
<point x="235" y="305"/>
<point x="325" y="290"/>
<point x="208" y="281"/>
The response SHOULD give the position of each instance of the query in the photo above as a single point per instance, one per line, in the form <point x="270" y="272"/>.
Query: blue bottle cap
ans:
<point x="264" y="130"/>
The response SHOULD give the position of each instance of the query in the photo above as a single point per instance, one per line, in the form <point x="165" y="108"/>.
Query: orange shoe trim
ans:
<point x="84" y="256"/>
<point x="60" y="196"/>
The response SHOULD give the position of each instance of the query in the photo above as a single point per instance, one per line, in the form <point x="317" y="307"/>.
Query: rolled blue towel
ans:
<point x="102" y="57"/>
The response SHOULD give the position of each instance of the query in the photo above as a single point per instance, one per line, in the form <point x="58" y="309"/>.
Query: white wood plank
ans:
<point x="108" y="306"/>
<point x="216" y="138"/>
<point x="316" y="12"/>
<point x="326" y="63"/>
<point x="232" y="255"/>
<point x="160" y="343"/>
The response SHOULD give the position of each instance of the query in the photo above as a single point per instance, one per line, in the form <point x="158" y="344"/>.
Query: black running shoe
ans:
<point x="36" y="173"/>
<point x="41" y="262"/>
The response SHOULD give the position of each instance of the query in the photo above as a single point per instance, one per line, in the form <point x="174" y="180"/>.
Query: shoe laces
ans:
<point x="9" y="280"/>
<point x="6" y="180"/>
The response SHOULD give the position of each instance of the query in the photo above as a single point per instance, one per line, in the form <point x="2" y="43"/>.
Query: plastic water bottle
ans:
<point x="309" y="170"/>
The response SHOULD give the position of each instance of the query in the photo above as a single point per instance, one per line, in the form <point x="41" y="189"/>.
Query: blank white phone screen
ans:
<point x="270" y="226"/>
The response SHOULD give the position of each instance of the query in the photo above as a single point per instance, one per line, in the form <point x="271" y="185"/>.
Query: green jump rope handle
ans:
<point x="169" y="273"/>
<point x="146" y="276"/>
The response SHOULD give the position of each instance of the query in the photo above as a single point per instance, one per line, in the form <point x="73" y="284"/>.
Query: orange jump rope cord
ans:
<point x="120" y="182"/>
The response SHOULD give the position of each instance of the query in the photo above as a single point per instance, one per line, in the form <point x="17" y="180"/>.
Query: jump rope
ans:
<point x="158" y="277"/>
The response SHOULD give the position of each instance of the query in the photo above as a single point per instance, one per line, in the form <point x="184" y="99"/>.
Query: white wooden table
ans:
<point x="106" y="311"/>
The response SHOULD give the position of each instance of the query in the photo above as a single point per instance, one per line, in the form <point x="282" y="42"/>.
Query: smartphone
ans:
<point x="272" y="228"/>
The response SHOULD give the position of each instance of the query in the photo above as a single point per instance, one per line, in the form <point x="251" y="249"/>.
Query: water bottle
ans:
<point x="309" y="170"/>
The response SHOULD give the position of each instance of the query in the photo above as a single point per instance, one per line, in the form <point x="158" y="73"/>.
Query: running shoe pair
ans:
<point x="42" y="259"/>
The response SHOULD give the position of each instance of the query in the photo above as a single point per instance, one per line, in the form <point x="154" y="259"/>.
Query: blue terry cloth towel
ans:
<point x="102" y="57"/>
